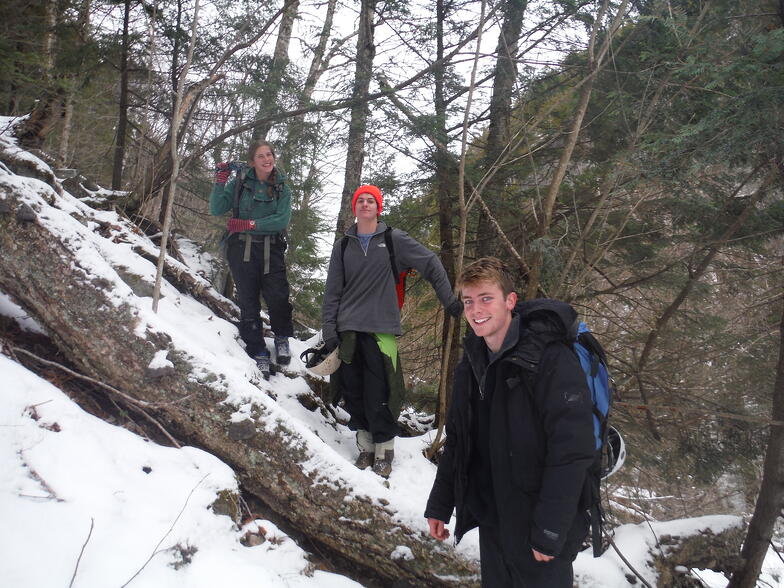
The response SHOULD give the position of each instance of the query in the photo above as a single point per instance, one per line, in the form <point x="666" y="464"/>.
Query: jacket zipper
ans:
<point x="360" y="243"/>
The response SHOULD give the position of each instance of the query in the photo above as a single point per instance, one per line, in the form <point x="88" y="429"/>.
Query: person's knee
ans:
<point x="276" y="291"/>
<point x="251" y="329"/>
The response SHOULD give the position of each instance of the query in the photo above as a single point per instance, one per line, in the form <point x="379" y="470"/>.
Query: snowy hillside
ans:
<point x="91" y="504"/>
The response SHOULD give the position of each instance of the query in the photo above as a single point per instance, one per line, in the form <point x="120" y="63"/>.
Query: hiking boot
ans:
<point x="385" y="453"/>
<point x="383" y="466"/>
<point x="262" y="359"/>
<point x="366" y="449"/>
<point x="365" y="459"/>
<point x="282" y="351"/>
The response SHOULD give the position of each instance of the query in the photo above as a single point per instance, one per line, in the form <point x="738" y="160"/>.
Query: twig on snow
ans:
<point x="626" y="561"/>
<point x="137" y="404"/>
<point x="123" y="395"/>
<point x="155" y="551"/>
<point x="81" y="553"/>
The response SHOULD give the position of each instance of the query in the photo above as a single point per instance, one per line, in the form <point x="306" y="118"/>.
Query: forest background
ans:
<point x="623" y="156"/>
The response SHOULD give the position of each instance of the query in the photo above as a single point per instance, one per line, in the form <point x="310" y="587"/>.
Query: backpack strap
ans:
<point x="595" y="510"/>
<point x="587" y="340"/>
<point x="239" y="184"/>
<point x="390" y="249"/>
<point x="277" y="186"/>
<point x="343" y="245"/>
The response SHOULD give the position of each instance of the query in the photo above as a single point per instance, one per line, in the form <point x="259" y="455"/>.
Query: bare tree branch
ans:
<point x="79" y="559"/>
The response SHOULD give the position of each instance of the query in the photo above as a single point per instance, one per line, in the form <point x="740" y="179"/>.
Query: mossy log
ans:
<point x="719" y="552"/>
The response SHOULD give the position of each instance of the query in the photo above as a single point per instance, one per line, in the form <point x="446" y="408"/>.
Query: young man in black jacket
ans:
<point x="519" y="436"/>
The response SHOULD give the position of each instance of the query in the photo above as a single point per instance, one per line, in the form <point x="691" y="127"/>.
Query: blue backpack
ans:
<point x="609" y="445"/>
<point x="594" y="364"/>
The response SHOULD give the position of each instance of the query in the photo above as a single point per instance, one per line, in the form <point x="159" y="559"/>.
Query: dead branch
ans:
<point x="171" y="527"/>
<point x="84" y="545"/>
<point x="138" y="405"/>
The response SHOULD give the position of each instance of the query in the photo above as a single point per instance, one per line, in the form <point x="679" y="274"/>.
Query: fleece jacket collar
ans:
<point x="352" y="230"/>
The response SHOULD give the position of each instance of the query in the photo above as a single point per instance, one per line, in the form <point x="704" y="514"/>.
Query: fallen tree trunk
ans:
<point x="45" y="270"/>
<point x="705" y="550"/>
<point x="199" y="288"/>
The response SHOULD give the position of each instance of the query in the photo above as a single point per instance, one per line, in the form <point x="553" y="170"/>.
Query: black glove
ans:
<point x="455" y="308"/>
<point x="330" y="344"/>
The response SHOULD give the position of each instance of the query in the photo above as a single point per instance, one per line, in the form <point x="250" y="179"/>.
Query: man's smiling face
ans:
<point x="488" y="311"/>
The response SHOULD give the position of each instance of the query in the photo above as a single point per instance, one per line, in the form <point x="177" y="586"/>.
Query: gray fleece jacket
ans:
<point x="360" y="291"/>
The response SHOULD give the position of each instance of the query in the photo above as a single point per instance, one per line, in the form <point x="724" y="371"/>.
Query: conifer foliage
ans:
<point x="625" y="156"/>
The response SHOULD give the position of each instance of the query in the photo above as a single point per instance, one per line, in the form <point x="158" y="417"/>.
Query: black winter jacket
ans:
<point x="542" y="435"/>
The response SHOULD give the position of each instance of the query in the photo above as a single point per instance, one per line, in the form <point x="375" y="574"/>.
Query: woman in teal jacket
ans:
<point x="260" y="212"/>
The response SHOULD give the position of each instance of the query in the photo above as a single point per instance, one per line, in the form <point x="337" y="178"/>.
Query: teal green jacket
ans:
<point x="257" y="202"/>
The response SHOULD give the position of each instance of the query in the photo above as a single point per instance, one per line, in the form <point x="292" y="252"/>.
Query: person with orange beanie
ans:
<point x="360" y="313"/>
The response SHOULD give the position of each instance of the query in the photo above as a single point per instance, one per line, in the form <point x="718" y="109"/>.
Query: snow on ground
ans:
<point x="200" y="262"/>
<point x="71" y="482"/>
<point x="62" y="470"/>
<point x="12" y="310"/>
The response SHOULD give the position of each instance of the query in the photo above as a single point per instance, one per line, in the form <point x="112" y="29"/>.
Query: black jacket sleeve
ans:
<point x="441" y="501"/>
<point x="564" y="405"/>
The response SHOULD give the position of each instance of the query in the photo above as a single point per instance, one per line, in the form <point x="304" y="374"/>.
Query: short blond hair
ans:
<point x="487" y="269"/>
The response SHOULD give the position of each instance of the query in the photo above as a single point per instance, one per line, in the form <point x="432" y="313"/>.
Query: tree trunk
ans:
<point x="76" y="83"/>
<point x="50" y="39"/>
<point x="500" y="114"/>
<point x="284" y="467"/>
<point x="318" y="66"/>
<point x="446" y="169"/>
<point x="122" y="119"/>
<point x="176" y="121"/>
<point x="355" y="153"/>
<point x="534" y="275"/>
<point x="280" y="59"/>
<point x="771" y="496"/>
<point x="595" y="62"/>
<point x="33" y="131"/>
<point x="65" y="135"/>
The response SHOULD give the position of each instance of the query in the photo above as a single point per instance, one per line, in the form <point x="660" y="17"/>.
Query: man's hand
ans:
<point x="437" y="529"/>
<point x="541" y="556"/>
<point x="330" y="344"/>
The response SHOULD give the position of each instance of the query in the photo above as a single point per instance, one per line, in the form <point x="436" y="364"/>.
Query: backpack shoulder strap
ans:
<point x="391" y="250"/>
<point x="587" y="340"/>
<point x="343" y="245"/>
<point x="238" y="185"/>
<point x="277" y="185"/>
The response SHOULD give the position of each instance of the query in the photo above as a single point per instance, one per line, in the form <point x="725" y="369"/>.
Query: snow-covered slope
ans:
<point x="76" y="490"/>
